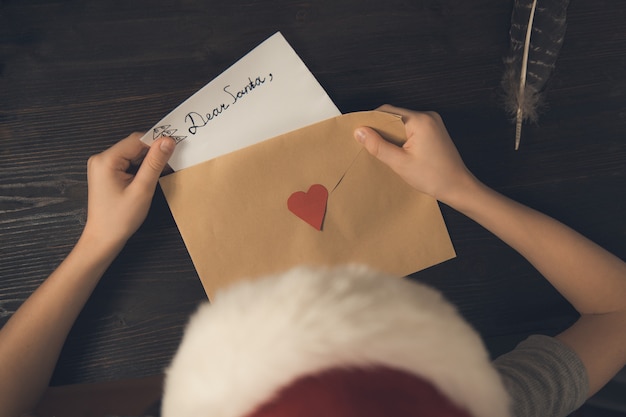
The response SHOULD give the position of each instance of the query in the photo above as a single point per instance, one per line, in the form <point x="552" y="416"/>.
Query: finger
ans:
<point x="124" y="154"/>
<point x="386" y="152"/>
<point x="388" y="108"/>
<point x="129" y="149"/>
<point x="142" y="154"/>
<point x="154" y="162"/>
<point x="120" y="156"/>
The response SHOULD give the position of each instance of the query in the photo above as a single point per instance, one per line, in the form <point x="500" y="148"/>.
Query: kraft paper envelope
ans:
<point x="233" y="214"/>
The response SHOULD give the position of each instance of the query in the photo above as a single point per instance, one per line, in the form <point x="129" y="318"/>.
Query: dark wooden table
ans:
<point x="77" y="76"/>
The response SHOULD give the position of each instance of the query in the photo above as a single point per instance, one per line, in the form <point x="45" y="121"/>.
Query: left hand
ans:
<point x="428" y="161"/>
<point x="118" y="201"/>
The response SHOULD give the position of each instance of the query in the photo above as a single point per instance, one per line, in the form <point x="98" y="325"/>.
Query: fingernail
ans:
<point x="167" y="145"/>
<point x="359" y="134"/>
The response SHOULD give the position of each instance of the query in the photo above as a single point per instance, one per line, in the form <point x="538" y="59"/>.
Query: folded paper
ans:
<point x="232" y="212"/>
<point x="266" y="93"/>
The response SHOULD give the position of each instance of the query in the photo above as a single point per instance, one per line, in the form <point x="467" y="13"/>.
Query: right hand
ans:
<point x="428" y="160"/>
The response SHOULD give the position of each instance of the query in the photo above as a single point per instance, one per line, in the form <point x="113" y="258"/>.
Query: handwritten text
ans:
<point x="198" y="120"/>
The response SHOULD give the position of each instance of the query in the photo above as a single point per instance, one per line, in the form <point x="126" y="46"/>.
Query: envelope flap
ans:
<point x="303" y="153"/>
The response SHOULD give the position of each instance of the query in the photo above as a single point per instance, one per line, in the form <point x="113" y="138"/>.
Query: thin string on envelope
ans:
<point x="346" y="171"/>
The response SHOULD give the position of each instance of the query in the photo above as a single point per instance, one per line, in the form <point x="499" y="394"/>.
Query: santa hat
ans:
<point x="331" y="342"/>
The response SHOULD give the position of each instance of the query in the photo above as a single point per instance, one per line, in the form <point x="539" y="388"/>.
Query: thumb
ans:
<point x="154" y="162"/>
<point x="386" y="152"/>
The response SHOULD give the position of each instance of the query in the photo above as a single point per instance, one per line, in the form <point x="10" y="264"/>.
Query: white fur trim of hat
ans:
<point x="258" y="336"/>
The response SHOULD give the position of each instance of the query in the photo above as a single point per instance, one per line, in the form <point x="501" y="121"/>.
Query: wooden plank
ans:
<point x="78" y="76"/>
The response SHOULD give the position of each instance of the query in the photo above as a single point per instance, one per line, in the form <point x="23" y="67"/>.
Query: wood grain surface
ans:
<point x="77" y="76"/>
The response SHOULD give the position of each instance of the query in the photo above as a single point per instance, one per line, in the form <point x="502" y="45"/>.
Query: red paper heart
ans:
<point x="310" y="206"/>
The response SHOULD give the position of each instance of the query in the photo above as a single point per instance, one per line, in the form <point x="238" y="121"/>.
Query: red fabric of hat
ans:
<point x="373" y="392"/>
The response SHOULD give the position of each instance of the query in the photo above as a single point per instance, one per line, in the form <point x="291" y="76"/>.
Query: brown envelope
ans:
<point x="233" y="216"/>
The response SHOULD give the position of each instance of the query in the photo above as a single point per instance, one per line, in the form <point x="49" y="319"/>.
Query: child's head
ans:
<point x="336" y="342"/>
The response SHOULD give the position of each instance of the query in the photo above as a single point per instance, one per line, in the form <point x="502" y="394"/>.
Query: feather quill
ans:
<point x="537" y="33"/>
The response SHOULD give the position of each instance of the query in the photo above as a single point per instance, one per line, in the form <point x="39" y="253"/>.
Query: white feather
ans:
<point x="522" y="81"/>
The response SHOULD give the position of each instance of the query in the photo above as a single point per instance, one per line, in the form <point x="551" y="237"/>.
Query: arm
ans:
<point x="118" y="202"/>
<point x="590" y="278"/>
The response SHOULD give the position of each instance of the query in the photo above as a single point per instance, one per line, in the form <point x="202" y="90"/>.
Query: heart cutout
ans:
<point x="310" y="206"/>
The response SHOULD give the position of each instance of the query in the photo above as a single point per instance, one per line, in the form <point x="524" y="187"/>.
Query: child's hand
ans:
<point x="118" y="201"/>
<point x="428" y="161"/>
